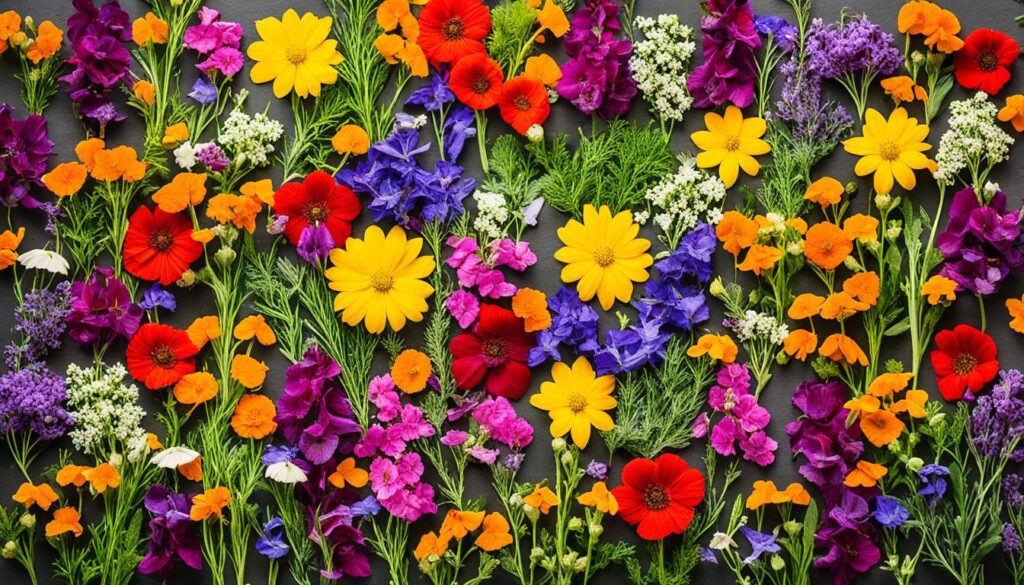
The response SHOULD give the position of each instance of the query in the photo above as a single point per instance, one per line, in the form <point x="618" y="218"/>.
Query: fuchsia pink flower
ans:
<point x="744" y="420"/>
<point x="463" y="307"/>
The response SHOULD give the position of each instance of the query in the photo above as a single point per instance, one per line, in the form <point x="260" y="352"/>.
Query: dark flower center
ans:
<point x="452" y="29"/>
<point x="163" y="356"/>
<point x="964" y="364"/>
<point x="521" y="103"/>
<point x="655" y="497"/>
<point x="988" y="61"/>
<point x="161" y="240"/>
<point x="382" y="281"/>
<point x="481" y="85"/>
<point x="494" y="348"/>
<point x="315" y="212"/>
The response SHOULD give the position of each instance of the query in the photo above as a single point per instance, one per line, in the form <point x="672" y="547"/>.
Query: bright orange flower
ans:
<point x="10" y="25"/>
<point x="601" y="498"/>
<point x="150" y="29"/>
<point x="798" y="224"/>
<point x="902" y="88"/>
<point x="765" y="492"/>
<point x="395" y="49"/>
<point x="913" y="17"/>
<point x="174" y="135"/>
<point x="193" y="470"/>
<point x="9" y="242"/>
<point x="72" y="475"/>
<point x="430" y="545"/>
<point x="881" y="427"/>
<point x="351" y="139"/>
<point x="346" y="473"/>
<point x="41" y="495"/>
<point x="457" y="523"/>
<point x="552" y="18"/>
<point x="942" y="37"/>
<point x="46" y="44"/>
<point x="210" y="503"/>
<point x="145" y="91"/>
<point x="195" y="388"/>
<point x="860" y="227"/>
<point x="153" y="442"/>
<point x="912" y="404"/>
<point x="86" y="151"/>
<point x="542" y="499"/>
<point x="800" y="343"/>
<point x="736" y="232"/>
<point x="64" y="520"/>
<point x="103" y="476"/>
<point x="866" y="474"/>
<point x="1013" y="112"/>
<point x="1016" y="310"/>
<point x="798" y="494"/>
<point x="760" y="258"/>
<point x="248" y="371"/>
<point x="889" y="383"/>
<point x="203" y="329"/>
<point x="531" y="306"/>
<point x="717" y="347"/>
<point x="840" y="348"/>
<point x="184" y="189"/>
<point x="255" y="326"/>
<point x="241" y="211"/>
<point x="863" y="286"/>
<point x="262" y="190"/>
<point x="841" y="305"/>
<point x="204" y="236"/>
<point x="495" y="534"/>
<point x="119" y="163"/>
<point x="66" y="179"/>
<point x="805" y="306"/>
<point x="827" y="245"/>
<point x="939" y="289"/>
<point x="864" y="404"/>
<point x="411" y="371"/>
<point x="825" y="191"/>
<point x="254" y="417"/>
<point x="542" y="67"/>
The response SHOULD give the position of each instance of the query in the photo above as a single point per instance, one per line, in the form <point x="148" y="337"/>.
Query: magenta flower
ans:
<point x="515" y="255"/>
<point x="729" y="71"/>
<point x="463" y="307"/>
<point x="102" y="310"/>
<point x="744" y="419"/>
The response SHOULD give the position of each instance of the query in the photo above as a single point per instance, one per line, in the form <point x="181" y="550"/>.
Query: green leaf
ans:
<point x="898" y="328"/>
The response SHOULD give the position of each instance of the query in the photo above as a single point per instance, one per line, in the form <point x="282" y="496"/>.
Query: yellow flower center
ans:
<point x="732" y="143"/>
<point x="577" y="402"/>
<point x="295" y="54"/>
<point x="889" y="151"/>
<point x="604" y="256"/>
<point x="382" y="281"/>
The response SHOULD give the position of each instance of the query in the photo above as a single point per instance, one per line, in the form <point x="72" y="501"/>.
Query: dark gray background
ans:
<point x="66" y="131"/>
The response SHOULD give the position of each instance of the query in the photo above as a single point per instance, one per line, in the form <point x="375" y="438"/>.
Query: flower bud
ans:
<point x="116" y="459"/>
<point x="883" y="201"/>
<point x="10" y="548"/>
<point x="531" y="513"/>
<point x="28" y="520"/>
<point x="187" y="278"/>
<point x="852" y="264"/>
<point x="535" y="133"/>
<point x="917" y="58"/>
<point x="781" y="358"/>
<point x="777" y="563"/>
<point x="717" y="289"/>
<point x="515" y="500"/>
<point x="567" y="458"/>
<point x="30" y="22"/>
<point x="581" y="564"/>
<point x="558" y="445"/>
<point x="536" y="554"/>
<point x="595" y="530"/>
<point x="851" y="188"/>
<point x="552" y="96"/>
<point x="915" y="464"/>
<point x="225" y="256"/>
<point x="575" y="524"/>
<point x="792" y="527"/>
<point x="569" y="559"/>
<point x="937" y="420"/>
<point x="795" y="248"/>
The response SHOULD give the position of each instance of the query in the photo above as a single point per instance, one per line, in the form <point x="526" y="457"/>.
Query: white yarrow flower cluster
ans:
<point x="754" y="325"/>
<point x="682" y="200"/>
<point x="105" y="410"/>
<point x="660" y="63"/>
<point x="491" y="214"/>
<point x="250" y="138"/>
<point x="973" y="140"/>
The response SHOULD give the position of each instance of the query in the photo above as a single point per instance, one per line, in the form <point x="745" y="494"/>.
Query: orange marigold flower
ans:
<point x="902" y="88"/>
<point x="66" y="179"/>
<point x="119" y="163"/>
<point x="254" y="417"/>
<point x="495" y="534"/>
<point x="457" y="523"/>
<point x="86" y="151"/>
<point x="1016" y="309"/>
<point x="150" y="29"/>
<point x="825" y="191"/>
<point x="760" y="258"/>
<point x="41" y="495"/>
<point x="431" y="545"/>
<point x="736" y="232"/>
<point x="866" y="474"/>
<point x="145" y="91"/>
<point x="64" y="520"/>
<point x="543" y="68"/>
<point x="103" y="476"/>
<point x="800" y="343"/>
<point x="765" y="492"/>
<point x="798" y="224"/>
<point x="717" y="347"/>
<point x="195" y="388"/>
<point x="531" y="306"/>
<point x="174" y="135"/>
<point x="913" y="17"/>
<point x="184" y="189"/>
<point x="942" y="34"/>
<point x="411" y="371"/>
<point x="1013" y="112"/>
<point x="210" y="503"/>
<point x="841" y="305"/>
<point x="552" y="18"/>
<point x="860" y="227"/>
<point x="72" y="474"/>
<point x="939" y="289"/>
<point x="263" y="190"/>
<point x="601" y="498"/>
<point x="863" y="286"/>
<point x="248" y="371"/>
<point x="255" y="326"/>
<point x="46" y="44"/>
<point x="351" y="139"/>
<point x="346" y="473"/>
<point x="203" y="329"/>
<point x="153" y="442"/>
<point x="805" y="306"/>
<point x="841" y="348"/>
<point x="889" y="383"/>
<point x="881" y="427"/>
<point x="542" y="499"/>
<point x="193" y="470"/>
<point x="826" y="245"/>
<point x="912" y="403"/>
<point x="240" y="210"/>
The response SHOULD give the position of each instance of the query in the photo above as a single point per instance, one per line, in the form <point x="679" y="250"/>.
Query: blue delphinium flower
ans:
<point x="761" y="542"/>
<point x="271" y="543"/>
<point x="203" y="91"/>
<point x="158" y="297"/>
<point x="933" y="482"/>
<point x="889" y="512"/>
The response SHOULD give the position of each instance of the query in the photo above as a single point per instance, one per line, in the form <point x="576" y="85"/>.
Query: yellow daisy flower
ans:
<point x="891" y="149"/>
<point x="604" y="255"/>
<point x="731" y="143"/>
<point x="295" y="54"/>
<point x="576" y="400"/>
<point x="380" y="279"/>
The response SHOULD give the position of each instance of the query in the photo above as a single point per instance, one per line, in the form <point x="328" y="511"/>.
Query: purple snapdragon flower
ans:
<point x="596" y="79"/>
<point x="25" y="148"/>
<point x="102" y="310"/>
<point x="98" y="38"/>
<point x="170" y="533"/>
<point x="729" y="71"/>
<point x="981" y="245"/>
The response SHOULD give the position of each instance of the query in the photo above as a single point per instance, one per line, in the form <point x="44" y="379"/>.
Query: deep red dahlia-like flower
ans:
<point x="160" y="355"/>
<point x="985" y="60"/>
<point x="524" y="102"/>
<point x="495" y="353"/>
<point x="659" y="496"/>
<point x="477" y="81"/>
<point x="965" y="360"/>
<point x="317" y="199"/>
<point x="452" y="29"/>
<point x="159" y="245"/>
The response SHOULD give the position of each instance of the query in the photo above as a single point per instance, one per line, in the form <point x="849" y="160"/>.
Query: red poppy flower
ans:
<point x="160" y="355"/>
<point x="984" y="61"/>
<point x="524" y="102"/>
<point x="495" y="353"/>
<point x="317" y="199"/>
<point x="965" y="359"/>
<point x="159" y="245"/>
<point x="477" y="81"/>
<point x="658" y="497"/>
<point x="452" y="29"/>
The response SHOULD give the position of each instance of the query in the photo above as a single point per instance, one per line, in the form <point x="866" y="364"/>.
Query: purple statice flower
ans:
<point x="573" y="324"/>
<point x="847" y="539"/>
<point x="889" y="513"/>
<point x="315" y="243"/>
<point x="729" y="71"/>
<point x="784" y="34"/>
<point x="980" y="246"/>
<point x="40" y="321"/>
<point x="313" y="411"/>
<point x="597" y="470"/>
<point x="211" y="155"/>
<point x="707" y="555"/>
<point x="933" y="482"/>
<point x="433" y="96"/>
<point x="170" y="533"/>
<point x="203" y="91"/>
<point x="218" y="41"/>
<point x="854" y="47"/>
<point x="24" y="149"/>
<point x="32" y="400"/>
<point x="760" y="542"/>
<point x="158" y="297"/>
<point x="997" y="420"/>
<point x="513" y="461"/>
<point x="1011" y="490"/>
<point x="596" y="79"/>
<point x="100" y="59"/>
<point x="1011" y="540"/>
<point x="102" y="310"/>
<point x="743" y="421"/>
<point x="271" y="542"/>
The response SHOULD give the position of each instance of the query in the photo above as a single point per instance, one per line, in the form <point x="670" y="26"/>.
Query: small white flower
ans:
<point x="285" y="472"/>
<point x="721" y="541"/>
<point x="535" y="133"/>
<point x="185" y="156"/>
<point x="173" y="457"/>
<point x="47" y="260"/>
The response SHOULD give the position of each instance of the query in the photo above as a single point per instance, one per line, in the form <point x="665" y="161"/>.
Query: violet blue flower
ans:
<point x="889" y="513"/>
<point x="170" y="533"/>
<point x="933" y="482"/>
<point x="25" y="148"/>
<point x="761" y="542"/>
<point x="315" y="244"/>
<point x="980" y="246"/>
<point x="203" y="91"/>
<point x="271" y="542"/>
<point x="158" y="297"/>
<point x="433" y="96"/>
